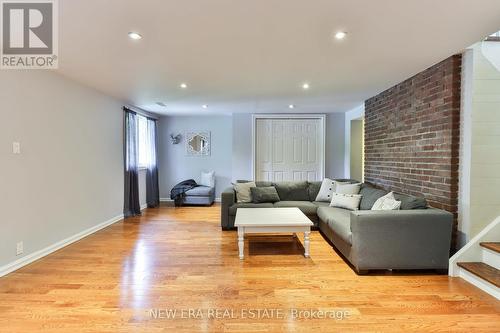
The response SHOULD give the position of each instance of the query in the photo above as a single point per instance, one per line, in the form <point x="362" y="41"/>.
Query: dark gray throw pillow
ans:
<point x="369" y="196"/>
<point x="410" y="202"/>
<point x="264" y="194"/>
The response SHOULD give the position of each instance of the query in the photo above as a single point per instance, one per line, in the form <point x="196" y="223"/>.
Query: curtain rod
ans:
<point x="140" y="112"/>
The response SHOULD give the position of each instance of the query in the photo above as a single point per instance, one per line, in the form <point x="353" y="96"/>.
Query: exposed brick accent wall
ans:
<point x="412" y="135"/>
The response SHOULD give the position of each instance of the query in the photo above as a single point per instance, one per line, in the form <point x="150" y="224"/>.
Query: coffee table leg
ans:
<point x="306" y="244"/>
<point x="241" y="243"/>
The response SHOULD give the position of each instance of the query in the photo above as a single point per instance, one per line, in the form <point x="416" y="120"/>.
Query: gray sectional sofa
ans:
<point x="414" y="237"/>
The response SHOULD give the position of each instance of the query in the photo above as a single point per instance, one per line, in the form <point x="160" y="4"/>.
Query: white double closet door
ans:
<point x="289" y="149"/>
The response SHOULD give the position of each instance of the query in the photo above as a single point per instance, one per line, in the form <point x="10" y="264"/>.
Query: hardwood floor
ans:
<point x="118" y="279"/>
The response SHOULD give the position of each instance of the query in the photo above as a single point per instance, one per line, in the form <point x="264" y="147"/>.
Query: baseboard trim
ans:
<point x="170" y="200"/>
<point x="28" y="259"/>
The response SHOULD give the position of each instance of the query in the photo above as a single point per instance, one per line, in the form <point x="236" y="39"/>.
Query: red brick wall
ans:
<point x="412" y="135"/>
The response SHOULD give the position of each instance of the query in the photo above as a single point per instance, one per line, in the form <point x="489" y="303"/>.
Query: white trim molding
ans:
<point x="28" y="259"/>
<point x="170" y="200"/>
<point x="320" y="117"/>
<point x="465" y="148"/>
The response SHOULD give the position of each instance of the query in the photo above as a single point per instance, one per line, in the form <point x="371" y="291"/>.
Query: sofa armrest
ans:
<point x="418" y="238"/>
<point x="228" y="198"/>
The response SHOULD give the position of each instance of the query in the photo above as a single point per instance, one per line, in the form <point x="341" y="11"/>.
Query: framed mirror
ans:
<point x="198" y="143"/>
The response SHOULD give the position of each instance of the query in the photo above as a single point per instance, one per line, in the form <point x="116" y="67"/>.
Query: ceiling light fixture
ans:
<point x="204" y="106"/>
<point x="291" y="106"/>
<point x="183" y="85"/>
<point x="340" y="35"/>
<point x="305" y="86"/>
<point x="134" y="35"/>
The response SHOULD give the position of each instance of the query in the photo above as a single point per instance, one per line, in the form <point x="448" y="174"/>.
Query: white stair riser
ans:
<point x="480" y="283"/>
<point x="491" y="258"/>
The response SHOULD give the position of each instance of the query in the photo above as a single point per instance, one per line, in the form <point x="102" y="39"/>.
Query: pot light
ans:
<point x="340" y="35"/>
<point x="291" y="106"/>
<point x="204" y="106"/>
<point x="305" y="86"/>
<point x="134" y="35"/>
<point x="183" y="85"/>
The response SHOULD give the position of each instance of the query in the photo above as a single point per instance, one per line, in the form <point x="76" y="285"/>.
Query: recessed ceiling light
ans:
<point x="340" y="35"/>
<point x="204" y="106"/>
<point x="305" y="86"/>
<point x="134" y="35"/>
<point x="291" y="106"/>
<point x="161" y="104"/>
<point x="183" y="85"/>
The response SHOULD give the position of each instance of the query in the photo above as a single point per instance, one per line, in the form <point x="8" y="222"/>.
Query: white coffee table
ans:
<point x="272" y="220"/>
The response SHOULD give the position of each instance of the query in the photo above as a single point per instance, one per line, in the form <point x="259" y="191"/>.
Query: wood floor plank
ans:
<point x="179" y="259"/>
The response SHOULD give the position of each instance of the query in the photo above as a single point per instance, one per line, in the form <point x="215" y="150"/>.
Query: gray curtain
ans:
<point x="152" y="190"/>
<point x="131" y="205"/>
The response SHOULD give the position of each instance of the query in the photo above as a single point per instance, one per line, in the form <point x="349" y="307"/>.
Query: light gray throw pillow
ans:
<point x="243" y="192"/>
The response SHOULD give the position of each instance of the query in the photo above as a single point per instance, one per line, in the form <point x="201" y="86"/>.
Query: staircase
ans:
<point x="478" y="262"/>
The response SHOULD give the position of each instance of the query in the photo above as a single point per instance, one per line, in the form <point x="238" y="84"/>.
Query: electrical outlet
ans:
<point x="19" y="248"/>
<point x="16" y="148"/>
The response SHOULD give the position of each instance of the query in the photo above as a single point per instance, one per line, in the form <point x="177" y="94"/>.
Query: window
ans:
<point x="142" y="132"/>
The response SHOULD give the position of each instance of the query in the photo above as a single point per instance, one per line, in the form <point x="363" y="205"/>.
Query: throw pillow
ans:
<point x="348" y="188"/>
<point x="243" y="192"/>
<point x="264" y="194"/>
<point x="347" y="201"/>
<point x="370" y="195"/>
<point x="387" y="202"/>
<point x="326" y="190"/>
<point x="410" y="202"/>
<point x="208" y="179"/>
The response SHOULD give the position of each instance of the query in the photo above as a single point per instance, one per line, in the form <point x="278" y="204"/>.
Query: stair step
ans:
<point x="493" y="246"/>
<point x="484" y="271"/>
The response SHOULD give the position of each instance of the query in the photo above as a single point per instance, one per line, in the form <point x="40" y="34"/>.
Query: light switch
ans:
<point x="16" y="147"/>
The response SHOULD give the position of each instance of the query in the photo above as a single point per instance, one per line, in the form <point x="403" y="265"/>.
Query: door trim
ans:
<point x="320" y="117"/>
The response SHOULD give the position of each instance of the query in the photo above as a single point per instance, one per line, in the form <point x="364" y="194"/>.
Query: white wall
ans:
<point x="357" y="146"/>
<point x="242" y="146"/>
<point x="485" y="163"/>
<point x="176" y="166"/>
<point x="357" y="113"/>
<point x="69" y="175"/>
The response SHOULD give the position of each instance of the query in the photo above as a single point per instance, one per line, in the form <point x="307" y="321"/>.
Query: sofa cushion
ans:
<point x="308" y="208"/>
<point x="200" y="191"/>
<point x="321" y="204"/>
<point x="314" y="188"/>
<point x="370" y="195"/>
<point x="233" y="208"/>
<point x="264" y="194"/>
<point x="337" y="219"/>
<point x="293" y="191"/>
<point x="410" y="202"/>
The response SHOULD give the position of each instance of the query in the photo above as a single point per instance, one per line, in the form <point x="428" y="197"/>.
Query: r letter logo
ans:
<point x="29" y="34"/>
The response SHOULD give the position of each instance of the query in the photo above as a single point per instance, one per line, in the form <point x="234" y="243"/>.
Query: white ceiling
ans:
<point x="253" y="55"/>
